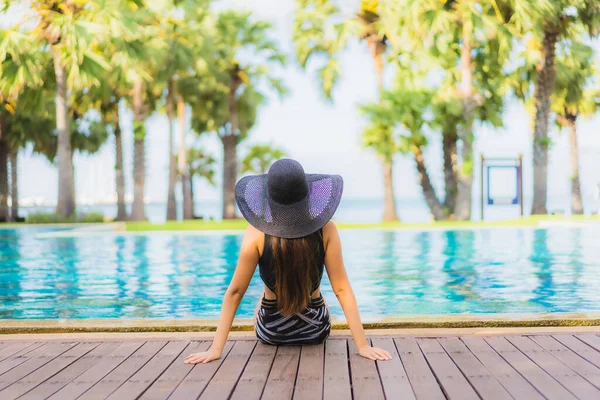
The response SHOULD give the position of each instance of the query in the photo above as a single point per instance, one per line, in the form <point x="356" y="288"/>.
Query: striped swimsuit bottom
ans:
<point x="311" y="326"/>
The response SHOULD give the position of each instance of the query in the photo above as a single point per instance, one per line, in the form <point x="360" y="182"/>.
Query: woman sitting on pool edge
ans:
<point x="291" y="238"/>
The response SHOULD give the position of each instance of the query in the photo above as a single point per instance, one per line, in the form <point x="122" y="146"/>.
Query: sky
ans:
<point x="323" y="136"/>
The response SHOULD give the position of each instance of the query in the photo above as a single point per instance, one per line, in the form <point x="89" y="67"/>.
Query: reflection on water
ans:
<point x="394" y="273"/>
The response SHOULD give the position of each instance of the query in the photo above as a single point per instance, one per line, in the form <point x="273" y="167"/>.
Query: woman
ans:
<point x="291" y="238"/>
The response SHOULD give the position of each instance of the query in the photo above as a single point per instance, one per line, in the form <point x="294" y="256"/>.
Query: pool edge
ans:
<point x="245" y="325"/>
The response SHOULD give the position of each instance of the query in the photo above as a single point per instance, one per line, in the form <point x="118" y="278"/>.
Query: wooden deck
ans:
<point x="560" y="366"/>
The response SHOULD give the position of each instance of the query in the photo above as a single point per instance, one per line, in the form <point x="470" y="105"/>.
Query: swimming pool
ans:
<point x="394" y="273"/>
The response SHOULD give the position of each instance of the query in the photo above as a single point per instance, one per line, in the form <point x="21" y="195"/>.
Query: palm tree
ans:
<point x="236" y="37"/>
<point x="21" y="78"/>
<point x="260" y="157"/>
<point x="107" y="97"/>
<point x="4" y="213"/>
<point x="574" y="96"/>
<point x="201" y="165"/>
<point x="447" y="113"/>
<point x="379" y="136"/>
<point x="549" y="22"/>
<point x="140" y="70"/>
<point x="140" y="113"/>
<point x="20" y="127"/>
<point x="71" y="31"/>
<point x="182" y="31"/>
<point x="321" y="32"/>
<point x="14" y="185"/>
<point x="452" y="34"/>
<point x="404" y="109"/>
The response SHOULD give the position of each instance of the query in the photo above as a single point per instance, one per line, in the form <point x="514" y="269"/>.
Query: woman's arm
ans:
<point x="342" y="289"/>
<point x="233" y="296"/>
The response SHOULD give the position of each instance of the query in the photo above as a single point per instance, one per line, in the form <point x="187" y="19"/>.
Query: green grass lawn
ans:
<point x="242" y="224"/>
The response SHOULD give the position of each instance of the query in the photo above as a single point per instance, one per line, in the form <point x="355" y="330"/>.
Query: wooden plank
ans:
<point x="103" y="388"/>
<point x="572" y="360"/>
<point x="453" y="382"/>
<point x="198" y="378"/>
<point x="336" y="377"/>
<point x="579" y="347"/>
<point x="559" y="371"/>
<point x="253" y="379"/>
<point x="19" y="357"/>
<point x="89" y="378"/>
<point x="39" y="357"/>
<point x="590" y="340"/>
<point x="393" y="376"/>
<point x="226" y="377"/>
<point x="543" y="382"/>
<point x="43" y="373"/>
<point x="15" y="347"/>
<point x="280" y="384"/>
<point x="168" y="381"/>
<point x="365" y="379"/>
<point x="419" y="374"/>
<point x="61" y="379"/>
<point x="484" y="383"/>
<point x="142" y="379"/>
<point x="309" y="381"/>
<point x="514" y="383"/>
<point x="222" y="384"/>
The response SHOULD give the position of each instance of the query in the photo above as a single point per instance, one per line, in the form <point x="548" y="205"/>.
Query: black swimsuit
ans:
<point x="310" y="326"/>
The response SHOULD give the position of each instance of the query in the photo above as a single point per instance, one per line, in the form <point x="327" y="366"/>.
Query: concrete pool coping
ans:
<point x="247" y="324"/>
<point x="338" y="333"/>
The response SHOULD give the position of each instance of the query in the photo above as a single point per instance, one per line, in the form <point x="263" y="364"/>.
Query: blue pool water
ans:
<point x="394" y="273"/>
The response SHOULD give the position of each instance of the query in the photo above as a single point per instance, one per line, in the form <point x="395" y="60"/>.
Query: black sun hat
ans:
<point x="286" y="202"/>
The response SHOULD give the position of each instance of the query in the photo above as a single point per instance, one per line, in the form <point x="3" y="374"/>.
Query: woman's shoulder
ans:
<point x="254" y="238"/>
<point x="329" y="230"/>
<point x="329" y="227"/>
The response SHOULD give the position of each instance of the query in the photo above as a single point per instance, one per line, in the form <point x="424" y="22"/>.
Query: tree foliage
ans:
<point x="259" y="158"/>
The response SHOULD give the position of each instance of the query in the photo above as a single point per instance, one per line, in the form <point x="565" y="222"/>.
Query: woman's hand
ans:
<point x="203" y="357"/>
<point x="375" y="354"/>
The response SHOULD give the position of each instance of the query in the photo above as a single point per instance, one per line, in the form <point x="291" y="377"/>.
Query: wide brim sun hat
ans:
<point x="286" y="202"/>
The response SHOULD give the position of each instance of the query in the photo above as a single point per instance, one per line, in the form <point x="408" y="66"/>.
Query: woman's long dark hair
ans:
<point x="295" y="265"/>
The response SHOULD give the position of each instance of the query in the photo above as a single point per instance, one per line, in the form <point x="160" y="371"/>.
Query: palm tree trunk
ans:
<point x="449" y="140"/>
<point x="14" y="185"/>
<point x="119" y="173"/>
<point x="171" y="202"/>
<point x="230" y="157"/>
<point x="435" y="206"/>
<point x="576" y="201"/>
<point x="229" y="175"/>
<point x="389" y="200"/>
<point x="191" y="184"/>
<point x="377" y="48"/>
<point x="138" y="212"/>
<point x="66" y="180"/>
<point x="462" y="210"/>
<point x="4" y="214"/>
<point x="184" y="172"/>
<point x="543" y="89"/>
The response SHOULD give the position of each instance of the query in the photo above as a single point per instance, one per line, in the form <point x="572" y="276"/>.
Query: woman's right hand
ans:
<point x="375" y="354"/>
<point x="203" y="357"/>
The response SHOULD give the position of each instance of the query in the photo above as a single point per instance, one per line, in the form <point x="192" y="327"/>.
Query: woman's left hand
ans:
<point x="374" y="353"/>
<point x="203" y="357"/>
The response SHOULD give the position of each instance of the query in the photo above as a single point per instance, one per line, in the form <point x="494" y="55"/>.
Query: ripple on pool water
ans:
<point x="393" y="273"/>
